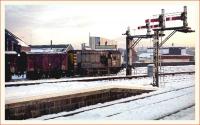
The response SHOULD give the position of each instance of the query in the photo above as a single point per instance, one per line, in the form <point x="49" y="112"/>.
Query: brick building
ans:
<point x="14" y="43"/>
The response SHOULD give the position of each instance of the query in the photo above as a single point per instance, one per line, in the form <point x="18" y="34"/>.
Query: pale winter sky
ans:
<point x="71" y="22"/>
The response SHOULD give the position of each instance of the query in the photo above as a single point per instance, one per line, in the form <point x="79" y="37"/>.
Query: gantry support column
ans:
<point x="156" y="59"/>
<point x="128" y="53"/>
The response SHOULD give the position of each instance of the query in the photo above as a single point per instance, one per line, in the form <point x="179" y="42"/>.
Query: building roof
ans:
<point x="51" y="48"/>
<point x="15" y="38"/>
<point x="96" y="51"/>
<point x="177" y="55"/>
<point x="168" y="47"/>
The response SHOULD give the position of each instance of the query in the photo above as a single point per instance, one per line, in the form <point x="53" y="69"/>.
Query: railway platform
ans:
<point x="35" y="106"/>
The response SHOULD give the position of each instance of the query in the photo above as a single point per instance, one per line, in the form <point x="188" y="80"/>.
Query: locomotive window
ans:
<point x="104" y="59"/>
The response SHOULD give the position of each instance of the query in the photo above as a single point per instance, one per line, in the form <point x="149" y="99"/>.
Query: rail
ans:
<point x="91" y="79"/>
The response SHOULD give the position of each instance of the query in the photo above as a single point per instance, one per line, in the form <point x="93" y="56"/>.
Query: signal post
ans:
<point x="158" y="32"/>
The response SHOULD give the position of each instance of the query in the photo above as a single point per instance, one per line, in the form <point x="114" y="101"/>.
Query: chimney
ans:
<point x="51" y="44"/>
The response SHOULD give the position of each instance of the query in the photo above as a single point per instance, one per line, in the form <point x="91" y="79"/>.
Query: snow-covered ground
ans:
<point x="187" y="114"/>
<point x="163" y="69"/>
<point x="142" y="109"/>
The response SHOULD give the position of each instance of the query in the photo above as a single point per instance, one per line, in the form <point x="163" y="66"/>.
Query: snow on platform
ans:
<point x="89" y="89"/>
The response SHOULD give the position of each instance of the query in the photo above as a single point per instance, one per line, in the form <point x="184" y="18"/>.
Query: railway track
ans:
<point x="175" y="112"/>
<point x="90" y="79"/>
<point x="156" y="103"/>
<point x="130" y="100"/>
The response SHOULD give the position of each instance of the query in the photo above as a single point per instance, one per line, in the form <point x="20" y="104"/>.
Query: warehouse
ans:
<point x="167" y="54"/>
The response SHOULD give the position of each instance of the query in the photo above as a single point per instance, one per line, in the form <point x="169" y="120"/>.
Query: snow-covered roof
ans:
<point x="145" y="55"/>
<point x="50" y="48"/>
<point x="22" y="43"/>
<point x="17" y="39"/>
<point x="87" y="48"/>
<point x="40" y="51"/>
<point x="177" y="55"/>
<point x="175" y="47"/>
<point x="47" y="50"/>
<point x="10" y="52"/>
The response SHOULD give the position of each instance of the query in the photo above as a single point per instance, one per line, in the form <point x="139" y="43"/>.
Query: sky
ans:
<point x="72" y="22"/>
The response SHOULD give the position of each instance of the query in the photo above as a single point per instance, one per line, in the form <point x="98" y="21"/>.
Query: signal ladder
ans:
<point x="161" y="71"/>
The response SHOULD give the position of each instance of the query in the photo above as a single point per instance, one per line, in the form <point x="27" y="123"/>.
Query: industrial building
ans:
<point x="167" y="54"/>
<point x="99" y="43"/>
<point x="169" y="50"/>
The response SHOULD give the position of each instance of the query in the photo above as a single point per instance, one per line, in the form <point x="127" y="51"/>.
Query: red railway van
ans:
<point x="46" y="65"/>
